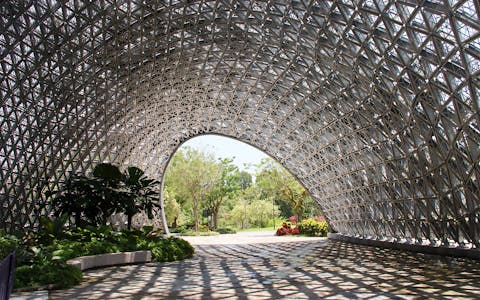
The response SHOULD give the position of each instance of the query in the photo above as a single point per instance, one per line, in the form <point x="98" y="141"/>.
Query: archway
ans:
<point x="232" y="186"/>
<point x="373" y="105"/>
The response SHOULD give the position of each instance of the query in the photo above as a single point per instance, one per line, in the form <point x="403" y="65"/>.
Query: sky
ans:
<point x="223" y="147"/>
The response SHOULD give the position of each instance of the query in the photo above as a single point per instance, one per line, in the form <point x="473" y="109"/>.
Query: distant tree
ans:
<point x="172" y="208"/>
<point x="193" y="174"/>
<point x="296" y="195"/>
<point x="243" y="179"/>
<point x="229" y="183"/>
<point x="274" y="180"/>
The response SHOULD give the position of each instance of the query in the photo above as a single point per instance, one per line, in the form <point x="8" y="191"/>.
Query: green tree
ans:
<point x="193" y="174"/>
<point x="172" y="208"/>
<point x="243" y="179"/>
<point x="251" y="211"/>
<point x="274" y="180"/>
<point x="295" y="195"/>
<point x="229" y="183"/>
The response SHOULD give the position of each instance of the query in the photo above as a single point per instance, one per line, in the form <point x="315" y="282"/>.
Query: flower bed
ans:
<point x="287" y="229"/>
<point x="308" y="227"/>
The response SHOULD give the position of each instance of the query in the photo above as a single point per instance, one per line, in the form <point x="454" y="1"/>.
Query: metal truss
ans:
<point x="373" y="105"/>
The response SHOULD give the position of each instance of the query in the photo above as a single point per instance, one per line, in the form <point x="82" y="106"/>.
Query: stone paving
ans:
<point x="260" y="266"/>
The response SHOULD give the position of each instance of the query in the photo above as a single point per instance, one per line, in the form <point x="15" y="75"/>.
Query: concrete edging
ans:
<point x="110" y="259"/>
<point x="444" y="251"/>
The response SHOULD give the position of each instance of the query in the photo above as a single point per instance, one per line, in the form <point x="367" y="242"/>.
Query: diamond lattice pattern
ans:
<point x="372" y="104"/>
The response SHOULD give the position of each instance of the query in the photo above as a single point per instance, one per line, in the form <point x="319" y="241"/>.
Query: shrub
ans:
<point x="199" y="233"/>
<point x="90" y="232"/>
<point x="55" y="272"/>
<point x="46" y="264"/>
<point x="44" y="267"/>
<point x="311" y="227"/>
<point x="179" y="229"/>
<point x="171" y="249"/>
<point x="8" y="243"/>
<point x="225" y="230"/>
<point x="287" y="229"/>
<point x="203" y="228"/>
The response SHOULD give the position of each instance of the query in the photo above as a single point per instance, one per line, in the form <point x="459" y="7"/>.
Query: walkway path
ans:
<point x="261" y="266"/>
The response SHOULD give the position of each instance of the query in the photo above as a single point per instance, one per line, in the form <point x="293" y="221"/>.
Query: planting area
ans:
<point x="259" y="265"/>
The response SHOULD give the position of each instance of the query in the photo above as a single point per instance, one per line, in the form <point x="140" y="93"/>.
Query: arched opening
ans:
<point x="214" y="182"/>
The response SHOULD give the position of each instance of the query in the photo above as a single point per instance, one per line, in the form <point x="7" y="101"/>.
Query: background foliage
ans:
<point x="216" y="193"/>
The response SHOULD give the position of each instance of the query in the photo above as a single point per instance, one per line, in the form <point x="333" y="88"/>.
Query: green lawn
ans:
<point x="257" y="229"/>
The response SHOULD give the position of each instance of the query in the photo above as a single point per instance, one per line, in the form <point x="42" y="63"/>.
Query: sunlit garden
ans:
<point x="207" y="195"/>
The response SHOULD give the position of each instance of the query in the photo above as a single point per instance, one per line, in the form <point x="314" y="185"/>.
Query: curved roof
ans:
<point x="372" y="105"/>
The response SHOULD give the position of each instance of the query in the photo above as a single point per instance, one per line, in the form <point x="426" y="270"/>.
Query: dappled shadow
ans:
<point x="293" y="270"/>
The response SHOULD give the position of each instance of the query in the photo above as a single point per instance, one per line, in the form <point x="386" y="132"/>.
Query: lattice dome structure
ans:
<point x="373" y="105"/>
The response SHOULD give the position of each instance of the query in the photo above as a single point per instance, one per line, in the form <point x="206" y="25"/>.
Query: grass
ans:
<point x="255" y="229"/>
<point x="199" y="233"/>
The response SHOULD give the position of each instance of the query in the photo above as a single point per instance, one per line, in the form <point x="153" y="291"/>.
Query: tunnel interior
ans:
<point x="373" y="105"/>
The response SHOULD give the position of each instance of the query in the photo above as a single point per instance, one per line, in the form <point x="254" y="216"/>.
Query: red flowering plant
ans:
<point x="287" y="229"/>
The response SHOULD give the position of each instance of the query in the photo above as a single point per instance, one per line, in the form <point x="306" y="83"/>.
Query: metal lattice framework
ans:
<point x="373" y="105"/>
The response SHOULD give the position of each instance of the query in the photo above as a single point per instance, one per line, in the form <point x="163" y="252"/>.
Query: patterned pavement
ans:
<point x="285" y="268"/>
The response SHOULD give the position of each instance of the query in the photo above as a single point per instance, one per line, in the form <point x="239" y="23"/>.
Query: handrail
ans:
<point x="7" y="266"/>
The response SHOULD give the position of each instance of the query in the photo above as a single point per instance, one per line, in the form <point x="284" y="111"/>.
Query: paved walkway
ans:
<point x="261" y="266"/>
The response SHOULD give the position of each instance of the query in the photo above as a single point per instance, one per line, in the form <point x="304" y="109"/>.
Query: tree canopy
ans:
<point x="215" y="192"/>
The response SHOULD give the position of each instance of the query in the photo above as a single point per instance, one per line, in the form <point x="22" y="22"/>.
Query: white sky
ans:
<point x="223" y="147"/>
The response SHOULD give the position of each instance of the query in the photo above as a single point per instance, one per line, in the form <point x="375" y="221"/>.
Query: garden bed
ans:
<point x="42" y="258"/>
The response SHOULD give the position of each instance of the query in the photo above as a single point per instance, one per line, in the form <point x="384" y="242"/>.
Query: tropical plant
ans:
<point x="312" y="227"/>
<point x="91" y="201"/>
<point x="108" y="181"/>
<point x="141" y="194"/>
<point x="44" y="267"/>
<point x="76" y="198"/>
<point x="8" y="244"/>
<point x="50" y="229"/>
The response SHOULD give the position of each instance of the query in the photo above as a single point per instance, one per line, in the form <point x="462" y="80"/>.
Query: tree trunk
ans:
<point x="129" y="222"/>
<point x="215" y="217"/>
<point x="215" y="210"/>
<point x="78" y="220"/>
<point x="195" y="212"/>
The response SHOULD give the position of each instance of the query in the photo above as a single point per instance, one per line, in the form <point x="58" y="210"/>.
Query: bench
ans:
<point x="110" y="259"/>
